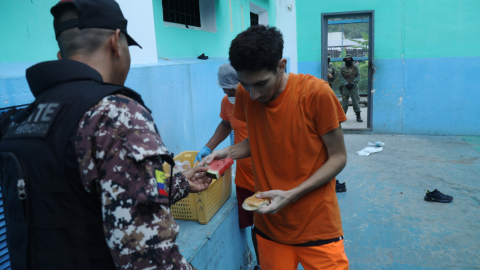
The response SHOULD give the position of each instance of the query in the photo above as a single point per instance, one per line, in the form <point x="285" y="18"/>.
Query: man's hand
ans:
<point x="330" y="75"/>
<point x="278" y="200"/>
<point x="197" y="178"/>
<point x="219" y="154"/>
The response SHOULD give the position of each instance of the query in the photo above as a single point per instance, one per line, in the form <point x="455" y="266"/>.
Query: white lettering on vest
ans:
<point x="40" y="110"/>
<point x="50" y="109"/>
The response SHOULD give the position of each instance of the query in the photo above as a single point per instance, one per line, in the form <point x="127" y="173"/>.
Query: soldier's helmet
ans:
<point x="347" y="56"/>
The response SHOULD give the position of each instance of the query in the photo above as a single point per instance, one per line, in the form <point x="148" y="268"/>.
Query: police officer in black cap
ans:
<point x="81" y="167"/>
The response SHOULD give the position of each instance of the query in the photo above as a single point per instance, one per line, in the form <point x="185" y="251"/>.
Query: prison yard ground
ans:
<point x="351" y="122"/>
<point x="387" y="223"/>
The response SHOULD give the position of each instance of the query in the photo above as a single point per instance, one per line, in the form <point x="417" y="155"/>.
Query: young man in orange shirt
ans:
<point x="245" y="186"/>
<point x="297" y="148"/>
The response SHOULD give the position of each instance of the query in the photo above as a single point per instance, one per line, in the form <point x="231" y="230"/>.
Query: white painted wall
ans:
<point x="287" y="23"/>
<point x="141" y="27"/>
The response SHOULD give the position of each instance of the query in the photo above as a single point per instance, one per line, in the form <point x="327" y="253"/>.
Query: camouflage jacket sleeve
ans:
<point x="119" y="153"/>
<point x="357" y="77"/>
<point x="180" y="187"/>
<point x="342" y="79"/>
<point x="334" y="74"/>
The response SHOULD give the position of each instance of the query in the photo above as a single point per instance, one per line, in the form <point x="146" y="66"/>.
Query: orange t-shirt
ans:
<point x="286" y="149"/>
<point x="244" y="175"/>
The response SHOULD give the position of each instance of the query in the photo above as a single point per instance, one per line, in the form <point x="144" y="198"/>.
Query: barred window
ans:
<point x="185" y="12"/>
<point x="253" y="19"/>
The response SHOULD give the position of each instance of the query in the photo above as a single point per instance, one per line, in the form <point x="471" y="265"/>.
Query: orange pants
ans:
<point x="276" y="256"/>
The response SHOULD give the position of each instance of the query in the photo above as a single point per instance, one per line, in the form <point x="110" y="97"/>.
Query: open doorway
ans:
<point x="349" y="36"/>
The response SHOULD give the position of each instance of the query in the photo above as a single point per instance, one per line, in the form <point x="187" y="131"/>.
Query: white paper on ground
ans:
<point x="369" y="150"/>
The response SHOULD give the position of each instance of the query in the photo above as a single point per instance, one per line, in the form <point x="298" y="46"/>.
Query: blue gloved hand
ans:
<point x="203" y="153"/>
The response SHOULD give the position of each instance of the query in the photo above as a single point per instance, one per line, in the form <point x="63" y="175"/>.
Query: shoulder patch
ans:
<point x="160" y="176"/>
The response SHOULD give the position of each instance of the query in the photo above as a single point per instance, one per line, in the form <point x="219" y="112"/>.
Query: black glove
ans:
<point x="349" y="86"/>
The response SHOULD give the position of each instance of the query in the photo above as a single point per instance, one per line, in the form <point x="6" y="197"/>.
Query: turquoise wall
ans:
<point x="28" y="36"/>
<point x="27" y="31"/>
<point x="389" y="29"/>
<point x="442" y="28"/>
<point x="426" y="62"/>
<point x="414" y="29"/>
<point x="179" y="42"/>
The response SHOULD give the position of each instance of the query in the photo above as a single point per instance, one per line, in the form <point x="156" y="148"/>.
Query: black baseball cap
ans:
<point x="104" y="14"/>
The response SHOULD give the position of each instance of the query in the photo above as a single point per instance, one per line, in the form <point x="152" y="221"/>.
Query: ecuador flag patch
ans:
<point x="160" y="176"/>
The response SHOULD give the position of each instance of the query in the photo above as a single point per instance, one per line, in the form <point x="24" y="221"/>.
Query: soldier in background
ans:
<point x="84" y="160"/>
<point x="349" y="77"/>
<point x="331" y="73"/>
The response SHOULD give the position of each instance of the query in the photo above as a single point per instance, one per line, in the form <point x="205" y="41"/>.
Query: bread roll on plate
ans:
<point x="253" y="203"/>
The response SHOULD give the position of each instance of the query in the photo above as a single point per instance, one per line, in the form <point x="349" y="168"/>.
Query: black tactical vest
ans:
<point x="52" y="221"/>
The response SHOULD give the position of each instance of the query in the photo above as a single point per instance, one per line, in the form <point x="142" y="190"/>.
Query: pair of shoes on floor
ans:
<point x="340" y="187"/>
<point x="257" y="267"/>
<point x="437" y="196"/>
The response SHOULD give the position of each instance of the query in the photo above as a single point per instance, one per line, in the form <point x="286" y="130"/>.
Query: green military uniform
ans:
<point x="350" y="75"/>
<point x="331" y="70"/>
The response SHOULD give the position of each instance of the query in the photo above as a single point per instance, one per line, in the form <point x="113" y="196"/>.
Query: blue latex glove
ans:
<point x="203" y="153"/>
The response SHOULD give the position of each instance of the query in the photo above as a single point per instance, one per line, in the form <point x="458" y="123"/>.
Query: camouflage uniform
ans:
<point x="350" y="75"/>
<point x="118" y="152"/>
<point x="331" y="70"/>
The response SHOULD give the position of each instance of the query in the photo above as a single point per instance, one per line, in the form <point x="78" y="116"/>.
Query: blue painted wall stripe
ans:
<point x="428" y="96"/>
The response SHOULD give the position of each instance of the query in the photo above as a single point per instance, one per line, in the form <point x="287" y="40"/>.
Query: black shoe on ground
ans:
<point x="340" y="187"/>
<point x="437" y="196"/>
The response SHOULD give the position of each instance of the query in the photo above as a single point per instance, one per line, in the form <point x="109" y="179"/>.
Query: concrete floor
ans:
<point x="351" y="122"/>
<point x="352" y="119"/>
<point x="386" y="222"/>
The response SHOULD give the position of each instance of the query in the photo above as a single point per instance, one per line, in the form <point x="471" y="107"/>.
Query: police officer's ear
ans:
<point x="115" y="43"/>
<point x="59" y="55"/>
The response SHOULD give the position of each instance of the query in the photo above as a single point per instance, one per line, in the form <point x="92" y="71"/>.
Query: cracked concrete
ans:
<point x="386" y="222"/>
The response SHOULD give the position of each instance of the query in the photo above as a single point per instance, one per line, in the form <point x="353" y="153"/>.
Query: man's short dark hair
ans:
<point x="87" y="40"/>
<point x="259" y="47"/>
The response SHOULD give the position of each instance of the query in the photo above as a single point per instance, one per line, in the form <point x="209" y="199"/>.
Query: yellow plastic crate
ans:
<point x="203" y="205"/>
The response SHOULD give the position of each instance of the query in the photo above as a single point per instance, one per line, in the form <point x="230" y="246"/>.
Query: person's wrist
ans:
<point x="188" y="187"/>
<point x="179" y="175"/>
<point x="227" y="152"/>
<point x="292" y="195"/>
